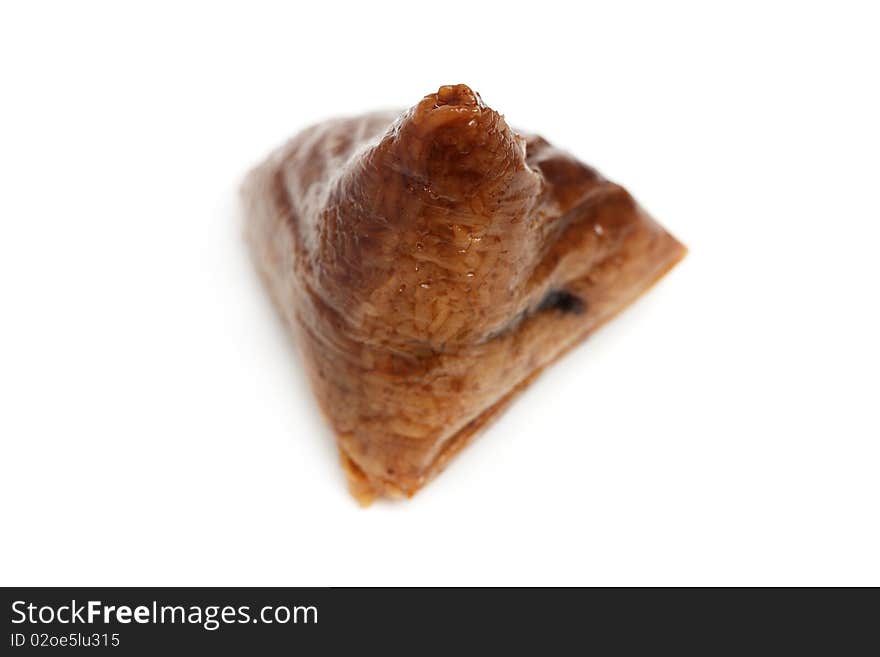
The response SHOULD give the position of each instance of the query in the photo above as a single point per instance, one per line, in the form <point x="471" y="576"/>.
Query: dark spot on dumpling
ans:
<point x="564" y="302"/>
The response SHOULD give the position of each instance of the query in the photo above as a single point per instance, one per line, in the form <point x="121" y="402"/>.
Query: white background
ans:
<point x="156" y="427"/>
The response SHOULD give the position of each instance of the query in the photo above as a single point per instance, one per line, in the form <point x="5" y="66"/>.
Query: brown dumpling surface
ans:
<point x="430" y="264"/>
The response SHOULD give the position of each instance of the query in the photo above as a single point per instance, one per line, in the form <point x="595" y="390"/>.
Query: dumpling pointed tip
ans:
<point x="452" y="122"/>
<point x="458" y="146"/>
<point x="452" y="106"/>
<point x="457" y="95"/>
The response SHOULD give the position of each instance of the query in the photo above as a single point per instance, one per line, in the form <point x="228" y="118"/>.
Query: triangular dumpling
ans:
<point x="430" y="265"/>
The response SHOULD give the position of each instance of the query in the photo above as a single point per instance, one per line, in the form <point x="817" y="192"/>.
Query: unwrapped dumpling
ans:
<point x="430" y="264"/>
